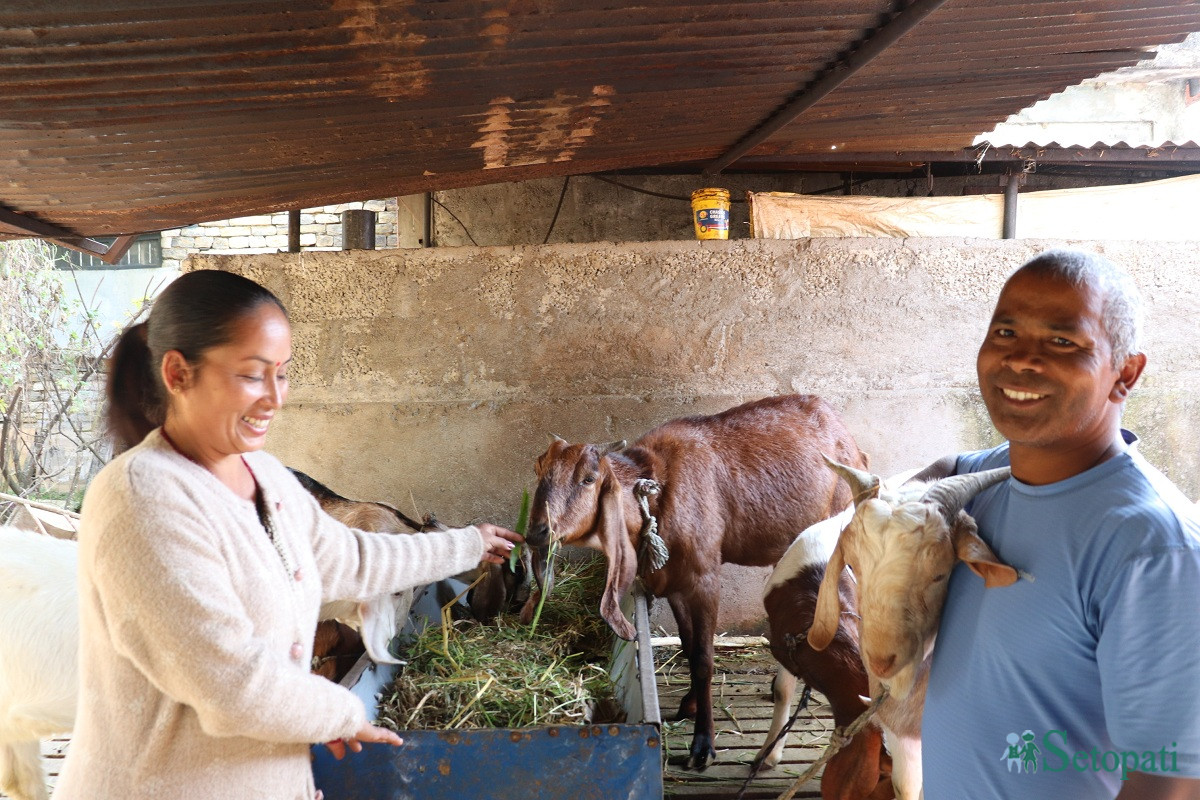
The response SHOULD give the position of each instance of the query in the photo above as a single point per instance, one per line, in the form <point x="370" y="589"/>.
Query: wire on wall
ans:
<point x="456" y="219"/>
<point x="557" y="208"/>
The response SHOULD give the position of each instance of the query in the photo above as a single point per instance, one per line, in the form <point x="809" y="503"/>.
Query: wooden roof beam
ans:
<point x="108" y="253"/>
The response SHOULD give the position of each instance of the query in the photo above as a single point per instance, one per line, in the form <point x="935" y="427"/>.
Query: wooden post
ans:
<point x="294" y="230"/>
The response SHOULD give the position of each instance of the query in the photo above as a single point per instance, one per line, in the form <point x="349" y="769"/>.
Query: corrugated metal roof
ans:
<point x="121" y="116"/>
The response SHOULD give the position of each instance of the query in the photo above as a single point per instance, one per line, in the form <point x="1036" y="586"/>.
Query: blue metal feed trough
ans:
<point x="575" y="762"/>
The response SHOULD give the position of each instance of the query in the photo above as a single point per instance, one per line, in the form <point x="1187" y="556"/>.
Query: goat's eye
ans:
<point x="941" y="577"/>
<point x="588" y="481"/>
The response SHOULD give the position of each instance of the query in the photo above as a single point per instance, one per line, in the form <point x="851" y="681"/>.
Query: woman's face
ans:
<point x="227" y="402"/>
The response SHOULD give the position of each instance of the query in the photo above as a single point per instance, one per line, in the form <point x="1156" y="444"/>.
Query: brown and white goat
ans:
<point x="736" y="486"/>
<point x="378" y="618"/>
<point x="901" y="545"/>
<point x="836" y="672"/>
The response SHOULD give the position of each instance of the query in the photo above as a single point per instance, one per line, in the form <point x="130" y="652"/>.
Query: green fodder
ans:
<point x="471" y="675"/>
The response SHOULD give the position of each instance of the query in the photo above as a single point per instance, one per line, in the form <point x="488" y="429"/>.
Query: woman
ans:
<point x="203" y="564"/>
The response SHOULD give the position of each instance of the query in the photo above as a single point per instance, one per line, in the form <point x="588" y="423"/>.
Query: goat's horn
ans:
<point x="951" y="494"/>
<point x="864" y="484"/>
<point x="554" y="437"/>
<point x="611" y="447"/>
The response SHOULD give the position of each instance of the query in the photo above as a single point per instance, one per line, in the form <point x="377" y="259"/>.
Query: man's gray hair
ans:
<point x="1121" y="313"/>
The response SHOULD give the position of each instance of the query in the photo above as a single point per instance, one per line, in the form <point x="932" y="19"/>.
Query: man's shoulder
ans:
<point x="1158" y="503"/>
<point x="980" y="460"/>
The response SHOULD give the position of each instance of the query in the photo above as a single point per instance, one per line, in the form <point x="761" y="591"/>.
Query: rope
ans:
<point x="836" y="743"/>
<point x="652" y="550"/>
<point x="805" y="696"/>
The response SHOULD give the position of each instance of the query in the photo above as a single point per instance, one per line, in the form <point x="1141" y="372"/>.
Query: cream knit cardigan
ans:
<point x="196" y="633"/>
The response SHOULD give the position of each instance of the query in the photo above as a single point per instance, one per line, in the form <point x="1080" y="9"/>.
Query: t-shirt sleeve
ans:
<point x="1147" y="653"/>
<point x="980" y="460"/>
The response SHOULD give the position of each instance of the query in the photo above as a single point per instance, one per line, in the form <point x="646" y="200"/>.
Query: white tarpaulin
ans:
<point x="1159" y="210"/>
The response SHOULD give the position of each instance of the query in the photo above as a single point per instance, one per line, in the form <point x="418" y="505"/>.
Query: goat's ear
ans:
<point x="622" y="558"/>
<point x="976" y="554"/>
<point x="828" y="613"/>
<point x="612" y="447"/>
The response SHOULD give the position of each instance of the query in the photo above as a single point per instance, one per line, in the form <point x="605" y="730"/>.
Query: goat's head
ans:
<point x="579" y="497"/>
<point x="901" y="545"/>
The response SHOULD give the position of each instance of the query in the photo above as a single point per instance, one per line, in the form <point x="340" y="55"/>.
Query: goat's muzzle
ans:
<point x="882" y="666"/>
<point x="538" y="534"/>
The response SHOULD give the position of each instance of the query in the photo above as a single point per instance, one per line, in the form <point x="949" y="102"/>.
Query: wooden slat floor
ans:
<point x="53" y="751"/>
<point x="742" y="711"/>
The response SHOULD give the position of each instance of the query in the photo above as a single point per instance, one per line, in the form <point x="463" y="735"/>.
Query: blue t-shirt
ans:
<point x="1088" y="665"/>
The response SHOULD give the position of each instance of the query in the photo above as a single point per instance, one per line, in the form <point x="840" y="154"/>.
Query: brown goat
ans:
<point x="736" y="486"/>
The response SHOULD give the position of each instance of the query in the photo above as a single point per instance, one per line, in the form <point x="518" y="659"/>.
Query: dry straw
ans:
<point x="506" y="675"/>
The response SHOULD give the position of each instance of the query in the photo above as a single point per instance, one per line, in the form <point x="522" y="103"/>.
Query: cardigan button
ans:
<point x="298" y="575"/>
<point x="297" y="651"/>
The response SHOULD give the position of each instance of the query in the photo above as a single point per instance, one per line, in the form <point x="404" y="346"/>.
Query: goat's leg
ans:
<point x="700" y="659"/>
<point x="21" y="771"/>
<point x="783" y="691"/>
<point x="683" y="621"/>
<point x="853" y="772"/>
<point x="906" y="766"/>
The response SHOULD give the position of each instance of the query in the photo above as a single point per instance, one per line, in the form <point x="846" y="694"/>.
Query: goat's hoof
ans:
<point x="762" y="762"/>
<point x="702" y="751"/>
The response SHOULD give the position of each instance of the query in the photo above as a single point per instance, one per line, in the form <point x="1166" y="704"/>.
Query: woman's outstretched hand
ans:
<point x="498" y="542"/>
<point x="368" y="733"/>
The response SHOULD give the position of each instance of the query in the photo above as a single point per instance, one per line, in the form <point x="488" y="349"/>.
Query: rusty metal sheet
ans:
<point x="122" y="117"/>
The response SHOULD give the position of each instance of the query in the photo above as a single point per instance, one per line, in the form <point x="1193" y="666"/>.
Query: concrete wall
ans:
<point x="431" y="378"/>
<point x="595" y="211"/>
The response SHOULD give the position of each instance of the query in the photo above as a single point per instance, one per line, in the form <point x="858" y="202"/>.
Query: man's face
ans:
<point x="1045" y="367"/>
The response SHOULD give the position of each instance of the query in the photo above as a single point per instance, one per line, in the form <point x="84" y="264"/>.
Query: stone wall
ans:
<point x="431" y="378"/>
<point x="320" y="229"/>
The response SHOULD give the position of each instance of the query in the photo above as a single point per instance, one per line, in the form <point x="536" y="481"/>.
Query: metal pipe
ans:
<point x="1010" y="205"/>
<point x="883" y="38"/>
<point x="294" y="231"/>
<point x="358" y="229"/>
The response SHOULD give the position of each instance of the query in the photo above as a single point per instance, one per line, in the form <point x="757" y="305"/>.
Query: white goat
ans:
<point x="790" y="597"/>
<point x="901" y="545"/>
<point x="39" y="632"/>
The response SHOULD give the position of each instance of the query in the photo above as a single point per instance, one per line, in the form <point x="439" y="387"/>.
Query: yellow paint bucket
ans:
<point x="710" y="213"/>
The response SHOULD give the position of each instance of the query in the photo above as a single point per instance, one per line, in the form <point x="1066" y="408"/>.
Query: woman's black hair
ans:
<point x="196" y="312"/>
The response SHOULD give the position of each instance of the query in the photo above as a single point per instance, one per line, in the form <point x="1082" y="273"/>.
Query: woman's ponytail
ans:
<point x="135" y="402"/>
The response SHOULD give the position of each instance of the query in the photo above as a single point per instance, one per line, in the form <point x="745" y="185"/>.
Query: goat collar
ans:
<point x="652" y="550"/>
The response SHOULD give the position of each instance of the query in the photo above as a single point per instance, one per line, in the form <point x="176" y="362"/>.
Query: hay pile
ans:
<point x="502" y="675"/>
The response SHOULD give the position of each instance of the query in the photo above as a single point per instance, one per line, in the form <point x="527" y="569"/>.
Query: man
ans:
<point x="1094" y="653"/>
